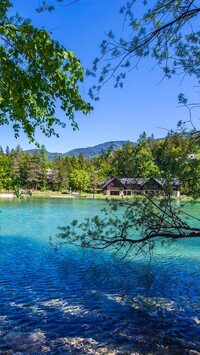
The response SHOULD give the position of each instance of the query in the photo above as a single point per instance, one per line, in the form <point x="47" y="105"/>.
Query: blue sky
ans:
<point x="146" y="103"/>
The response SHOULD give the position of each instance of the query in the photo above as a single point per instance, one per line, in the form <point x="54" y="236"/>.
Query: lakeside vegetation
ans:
<point x="176" y="156"/>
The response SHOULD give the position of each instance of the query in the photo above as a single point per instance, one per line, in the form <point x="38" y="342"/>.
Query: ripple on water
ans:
<point x="83" y="302"/>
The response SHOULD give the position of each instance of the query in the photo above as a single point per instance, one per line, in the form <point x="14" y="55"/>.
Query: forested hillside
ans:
<point x="176" y="156"/>
<point x="88" y="152"/>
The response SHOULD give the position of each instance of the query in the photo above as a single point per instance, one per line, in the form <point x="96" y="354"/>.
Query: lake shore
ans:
<point x="59" y="194"/>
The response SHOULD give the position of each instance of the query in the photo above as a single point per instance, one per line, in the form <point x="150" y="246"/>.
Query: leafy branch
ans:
<point x="36" y="75"/>
<point x="166" y="32"/>
<point x="44" y="5"/>
<point x="132" y="226"/>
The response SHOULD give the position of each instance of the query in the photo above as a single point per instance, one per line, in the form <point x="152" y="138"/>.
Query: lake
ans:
<point x="75" y="301"/>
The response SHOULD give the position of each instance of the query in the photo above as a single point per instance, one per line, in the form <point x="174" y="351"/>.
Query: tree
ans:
<point x="54" y="177"/>
<point x="37" y="74"/>
<point x="171" y="154"/>
<point x="58" y="178"/>
<point x="74" y="163"/>
<point x="95" y="181"/>
<point x="104" y="162"/>
<point x="15" y="157"/>
<point x="137" y="225"/>
<point x="25" y="162"/>
<point x="5" y="172"/>
<point x="79" y="180"/>
<point x="165" y="30"/>
<point x="43" y="167"/>
<point x="134" y="228"/>
<point x="123" y="160"/>
<point x="34" y="173"/>
<point x="135" y="161"/>
<point x="81" y="161"/>
<point x="45" y="6"/>
<point x="143" y="165"/>
<point x="177" y="156"/>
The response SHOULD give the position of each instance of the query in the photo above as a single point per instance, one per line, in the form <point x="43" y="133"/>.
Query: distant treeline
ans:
<point x="176" y="156"/>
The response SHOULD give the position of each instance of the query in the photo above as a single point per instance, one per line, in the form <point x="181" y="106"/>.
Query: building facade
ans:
<point x="132" y="186"/>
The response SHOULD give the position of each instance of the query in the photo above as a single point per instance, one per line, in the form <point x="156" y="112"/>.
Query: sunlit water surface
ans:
<point x="85" y="302"/>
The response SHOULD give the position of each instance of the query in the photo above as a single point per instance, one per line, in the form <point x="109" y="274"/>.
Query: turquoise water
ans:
<point x="76" y="301"/>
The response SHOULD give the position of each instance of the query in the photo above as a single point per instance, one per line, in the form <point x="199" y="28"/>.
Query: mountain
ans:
<point x="88" y="152"/>
<point x="96" y="150"/>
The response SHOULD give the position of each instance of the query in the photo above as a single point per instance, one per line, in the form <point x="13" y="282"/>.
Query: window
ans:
<point x="116" y="193"/>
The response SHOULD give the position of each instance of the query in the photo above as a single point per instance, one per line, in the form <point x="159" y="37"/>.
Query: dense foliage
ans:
<point x="136" y="225"/>
<point x="37" y="75"/>
<point x="170" y="158"/>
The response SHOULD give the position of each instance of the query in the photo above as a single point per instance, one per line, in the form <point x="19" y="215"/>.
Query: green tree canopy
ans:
<point x="37" y="75"/>
<point x="79" y="180"/>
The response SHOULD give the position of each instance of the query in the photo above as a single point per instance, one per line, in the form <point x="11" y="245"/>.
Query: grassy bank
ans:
<point x="60" y="194"/>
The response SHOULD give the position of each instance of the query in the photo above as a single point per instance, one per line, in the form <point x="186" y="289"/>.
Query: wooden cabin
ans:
<point x="132" y="186"/>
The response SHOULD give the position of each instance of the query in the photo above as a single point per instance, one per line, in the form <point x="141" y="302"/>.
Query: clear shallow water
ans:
<point x="84" y="302"/>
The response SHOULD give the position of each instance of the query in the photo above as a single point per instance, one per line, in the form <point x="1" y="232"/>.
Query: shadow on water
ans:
<point x="85" y="302"/>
